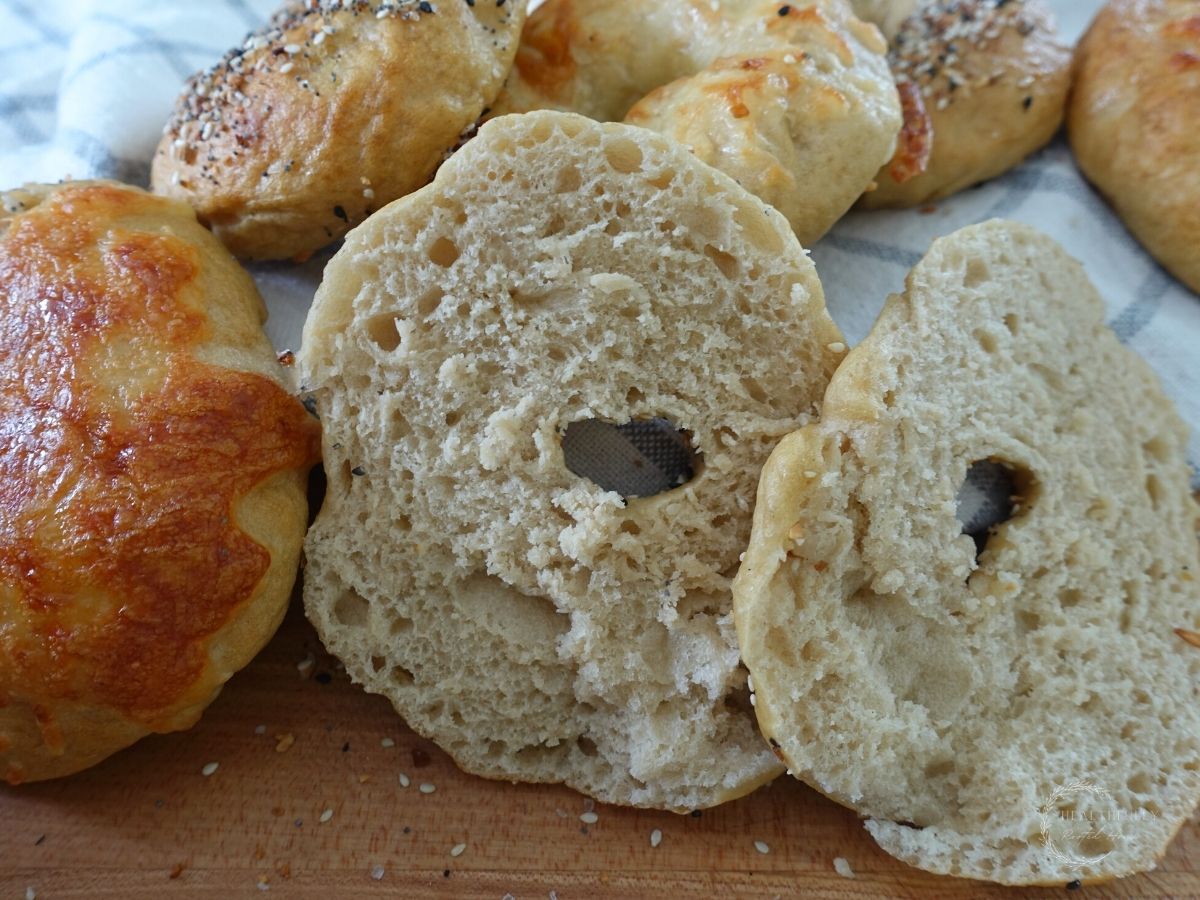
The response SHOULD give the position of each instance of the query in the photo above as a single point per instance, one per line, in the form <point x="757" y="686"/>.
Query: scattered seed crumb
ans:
<point x="842" y="867"/>
<point x="30" y="893"/>
<point x="427" y="788"/>
<point x="285" y="742"/>
<point x="655" y="838"/>
<point x="260" y="729"/>
<point x="377" y="873"/>
<point x="264" y="883"/>
<point x="554" y="895"/>
<point x="363" y="779"/>
<point x="209" y="768"/>
<point x="405" y="781"/>
<point x="508" y="897"/>
<point x="387" y="743"/>
<point x="589" y="818"/>
<point x="762" y="847"/>
<point x="458" y="849"/>
<point x="326" y="816"/>
<point x="306" y="665"/>
<point x="837" y="347"/>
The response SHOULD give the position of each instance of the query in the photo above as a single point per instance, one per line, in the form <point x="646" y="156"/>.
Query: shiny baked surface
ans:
<point x="134" y="575"/>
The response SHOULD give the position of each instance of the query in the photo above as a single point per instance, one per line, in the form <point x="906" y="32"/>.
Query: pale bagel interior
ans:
<point x="535" y="625"/>
<point x="976" y="711"/>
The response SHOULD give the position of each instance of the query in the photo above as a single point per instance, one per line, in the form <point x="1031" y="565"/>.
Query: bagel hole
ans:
<point x="443" y="252"/>
<point x="994" y="492"/>
<point x="623" y="155"/>
<point x="637" y="458"/>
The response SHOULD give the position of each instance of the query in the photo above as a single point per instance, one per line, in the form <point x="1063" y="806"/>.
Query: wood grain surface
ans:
<point x="293" y="742"/>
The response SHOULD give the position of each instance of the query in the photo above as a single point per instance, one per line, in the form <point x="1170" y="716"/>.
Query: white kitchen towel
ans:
<point x="86" y="85"/>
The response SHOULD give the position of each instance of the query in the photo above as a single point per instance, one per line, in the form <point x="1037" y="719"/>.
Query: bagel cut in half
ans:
<point x="153" y="473"/>
<point x="557" y="275"/>
<point x="1021" y="709"/>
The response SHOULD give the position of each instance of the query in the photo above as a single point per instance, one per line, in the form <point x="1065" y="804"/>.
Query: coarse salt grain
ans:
<point x="762" y="846"/>
<point x="377" y="873"/>
<point x="589" y="818"/>
<point x="842" y="867"/>
<point x="655" y="838"/>
<point x="209" y="768"/>
<point x="404" y="780"/>
<point x="458" y="849"/>
<point x="427" y="788"/>
<point x="326" y="816"/>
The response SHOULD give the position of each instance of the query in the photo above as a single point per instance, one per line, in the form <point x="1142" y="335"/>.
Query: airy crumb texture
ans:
<point x="536" y="626"/>
<point x="1029" y="716"/>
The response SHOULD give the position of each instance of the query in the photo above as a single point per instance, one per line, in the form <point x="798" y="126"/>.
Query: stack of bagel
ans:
<point x="564" y="229"/>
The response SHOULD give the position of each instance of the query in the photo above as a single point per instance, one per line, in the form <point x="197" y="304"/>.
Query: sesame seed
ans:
<point x="809" y="473"/>
<point x="589" y="818"/>
<point x="318" y="38"/>
<point x="458" y="849"/>
<point x="377" y="873"/>
<point x="762" y="847"/>
<point x="842" y="867"/>
<point x="325" y="816"/>
<point x="836" y="347"/>
<point x="387" y="742"/>
<point x="209" y="768"/>
<point x="404" y="780"/>
<point x="655" y="838"/>
<point x="30" y="893"/>
<point x="285" y="68"/>
<point x="291" y="49"/>
<point x="427" y="788"/>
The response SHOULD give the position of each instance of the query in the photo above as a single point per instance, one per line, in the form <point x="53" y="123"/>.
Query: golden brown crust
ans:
<point x="1133" y="123"/>
<point x="792" y="100"/>
<point x="130" y="552"/>
<point x="333" y="110"/>
<point x="994" y="83"/>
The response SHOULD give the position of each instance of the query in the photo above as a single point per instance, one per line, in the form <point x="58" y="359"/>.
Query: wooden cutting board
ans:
<point x="307" y="801"/>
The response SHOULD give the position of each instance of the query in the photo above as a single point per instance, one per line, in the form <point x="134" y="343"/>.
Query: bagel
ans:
<point x="793" y="100"/>
<point x="985" y="84"/>
<point x="329" y="112"/>
<point x="1132" y="123"/>
<point x="537" y="626"/>
<point x="1022" y="711"/>
<point x="153" y="477"/>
